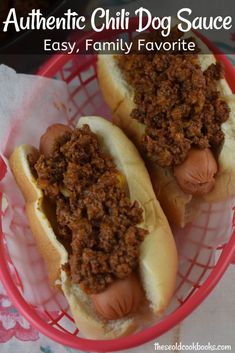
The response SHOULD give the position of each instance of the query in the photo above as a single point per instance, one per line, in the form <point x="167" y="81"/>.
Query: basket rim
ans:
<point x="49" y="70"/>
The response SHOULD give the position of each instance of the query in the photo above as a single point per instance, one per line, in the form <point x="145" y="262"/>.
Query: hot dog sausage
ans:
<point x="119" y="299"/>
<point x="196" y="175"/>
<point x="48" y="138"/>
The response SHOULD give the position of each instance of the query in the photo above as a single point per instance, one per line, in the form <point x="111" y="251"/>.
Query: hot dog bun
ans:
<point x="158" y="256"/>
<point x="179" y="207"/>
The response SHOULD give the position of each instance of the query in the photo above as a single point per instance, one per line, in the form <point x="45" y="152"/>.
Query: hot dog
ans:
<point x="180" y="113"/>
<point x="78" y="235"/>
<point x="124" y="295"/>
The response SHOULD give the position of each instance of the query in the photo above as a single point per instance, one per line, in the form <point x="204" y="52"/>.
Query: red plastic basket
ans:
<point x="201" y="270"/>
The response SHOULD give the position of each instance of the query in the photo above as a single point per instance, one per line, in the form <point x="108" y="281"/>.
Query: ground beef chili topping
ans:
<point x="178" y="103"/>
<point x="94" y="213"/>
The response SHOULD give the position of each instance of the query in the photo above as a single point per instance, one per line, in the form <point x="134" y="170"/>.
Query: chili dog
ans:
<point x="180" y="113"/>
<point x="98" y="225"/>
